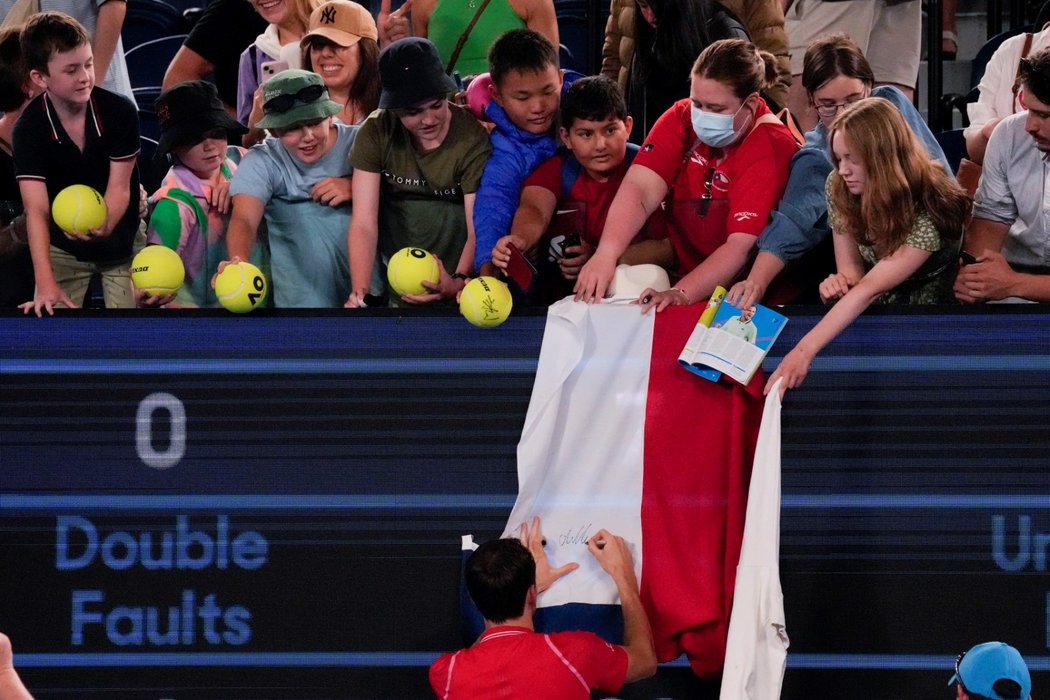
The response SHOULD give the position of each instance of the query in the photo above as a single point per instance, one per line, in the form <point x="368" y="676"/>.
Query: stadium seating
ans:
<point x="147" y="20"/>
<point x="951" y="101"/>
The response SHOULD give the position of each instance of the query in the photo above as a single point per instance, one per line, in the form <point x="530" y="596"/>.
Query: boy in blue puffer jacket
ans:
<point x="526" y="94"/>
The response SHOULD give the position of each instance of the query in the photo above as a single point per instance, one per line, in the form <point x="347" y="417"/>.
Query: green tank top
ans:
<point x="451" y="17"/>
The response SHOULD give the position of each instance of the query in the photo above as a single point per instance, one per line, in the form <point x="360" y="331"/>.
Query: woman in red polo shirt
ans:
<point x="711" y="171"/>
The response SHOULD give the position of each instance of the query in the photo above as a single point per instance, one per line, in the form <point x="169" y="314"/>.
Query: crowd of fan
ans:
<point x="362" y="139"/>
<point x="333" y="138"/>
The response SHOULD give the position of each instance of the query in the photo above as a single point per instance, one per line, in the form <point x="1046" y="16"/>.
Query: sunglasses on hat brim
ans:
<point x="282" y="103"/>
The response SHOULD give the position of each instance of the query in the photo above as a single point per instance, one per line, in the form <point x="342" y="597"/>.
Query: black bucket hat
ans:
<point x="187" y="111"/>
<point x="411" y="72"/>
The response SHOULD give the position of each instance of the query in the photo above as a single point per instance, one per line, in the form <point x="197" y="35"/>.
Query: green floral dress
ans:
<point x="932" y="282"/>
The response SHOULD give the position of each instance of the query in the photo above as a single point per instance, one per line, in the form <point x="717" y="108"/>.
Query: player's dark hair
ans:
<point x="1034" y="75"/>
<point x="48" y="33"/>
<point x="594" y="98"/>
<point x="499" y="574"/>
<point x="13" y="74"/>
<point x="522" y="50"/>
<point x="1004" y="687"/>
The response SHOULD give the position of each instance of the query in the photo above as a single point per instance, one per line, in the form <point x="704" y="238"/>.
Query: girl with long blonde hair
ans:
<point x="896" y="217"/>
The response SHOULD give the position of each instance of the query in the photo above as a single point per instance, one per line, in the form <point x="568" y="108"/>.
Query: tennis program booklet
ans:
<point x="729" y="340"/>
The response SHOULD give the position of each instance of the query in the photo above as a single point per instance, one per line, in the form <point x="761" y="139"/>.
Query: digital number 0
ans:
<point x="144" y="430"/>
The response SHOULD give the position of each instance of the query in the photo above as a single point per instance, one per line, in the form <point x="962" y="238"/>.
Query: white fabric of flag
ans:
<point x="756" y="652"/>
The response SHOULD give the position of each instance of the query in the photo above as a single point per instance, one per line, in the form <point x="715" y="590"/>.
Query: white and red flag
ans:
<point x="619" y="436"/>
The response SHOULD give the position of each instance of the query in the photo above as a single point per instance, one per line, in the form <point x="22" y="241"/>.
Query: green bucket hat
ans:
<point x="295" y="96"/>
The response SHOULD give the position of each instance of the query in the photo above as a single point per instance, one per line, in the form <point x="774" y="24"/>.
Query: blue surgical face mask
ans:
<point x="716" y="130"/>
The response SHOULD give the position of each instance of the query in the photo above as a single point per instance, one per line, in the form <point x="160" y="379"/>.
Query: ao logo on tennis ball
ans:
<point x="240" y="287"/>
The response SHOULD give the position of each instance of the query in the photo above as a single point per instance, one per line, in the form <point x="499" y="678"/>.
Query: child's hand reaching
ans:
<point x="501" y="251"/>
<point x="835" y="287"/>
<point x="447" y="287"/>
<point x="101" y="232"/>
<point x="332" y="191"/>
<point x="575" y="258"/>
<point x="48" y="296"/>
<point x="222" y="266"/>
<point x="145" y="300"/>
<point x="793" y="368"/>
<point x="219" y="196"/>
<point x="356" y="300"/>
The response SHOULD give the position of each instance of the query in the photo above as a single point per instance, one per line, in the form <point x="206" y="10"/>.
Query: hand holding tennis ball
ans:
<point x="240" y="287"/>
<point x="157" y="272"/>
<point x="407" y="269"/>
<point x="78" y="210"/>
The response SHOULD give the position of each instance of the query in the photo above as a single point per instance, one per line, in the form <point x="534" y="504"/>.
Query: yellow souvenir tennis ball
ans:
<point x="240" y="287"/>
<point x="485" y="302"/>
<point x="158" y="270"/>
<point x="77" y="209"/>
<point x="408" y="267"/>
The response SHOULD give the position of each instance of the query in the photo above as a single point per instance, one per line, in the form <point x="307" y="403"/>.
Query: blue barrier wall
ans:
<point x="200" y="505"/>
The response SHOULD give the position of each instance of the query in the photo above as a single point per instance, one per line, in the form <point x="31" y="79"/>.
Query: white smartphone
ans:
<point x="271" y="68"/>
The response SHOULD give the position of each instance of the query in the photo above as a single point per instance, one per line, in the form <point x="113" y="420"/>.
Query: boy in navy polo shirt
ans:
<point x="75" y="133"/>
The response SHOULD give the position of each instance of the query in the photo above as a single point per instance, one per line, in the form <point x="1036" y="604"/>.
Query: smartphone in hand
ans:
<point x="967" y="258"/>
<point x="571" y="240"/>
<point x="271" y="68"/>
<point x="519" y="269"/>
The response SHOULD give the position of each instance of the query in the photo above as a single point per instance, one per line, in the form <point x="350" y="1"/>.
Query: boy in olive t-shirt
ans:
<point x="417" y="166"/>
